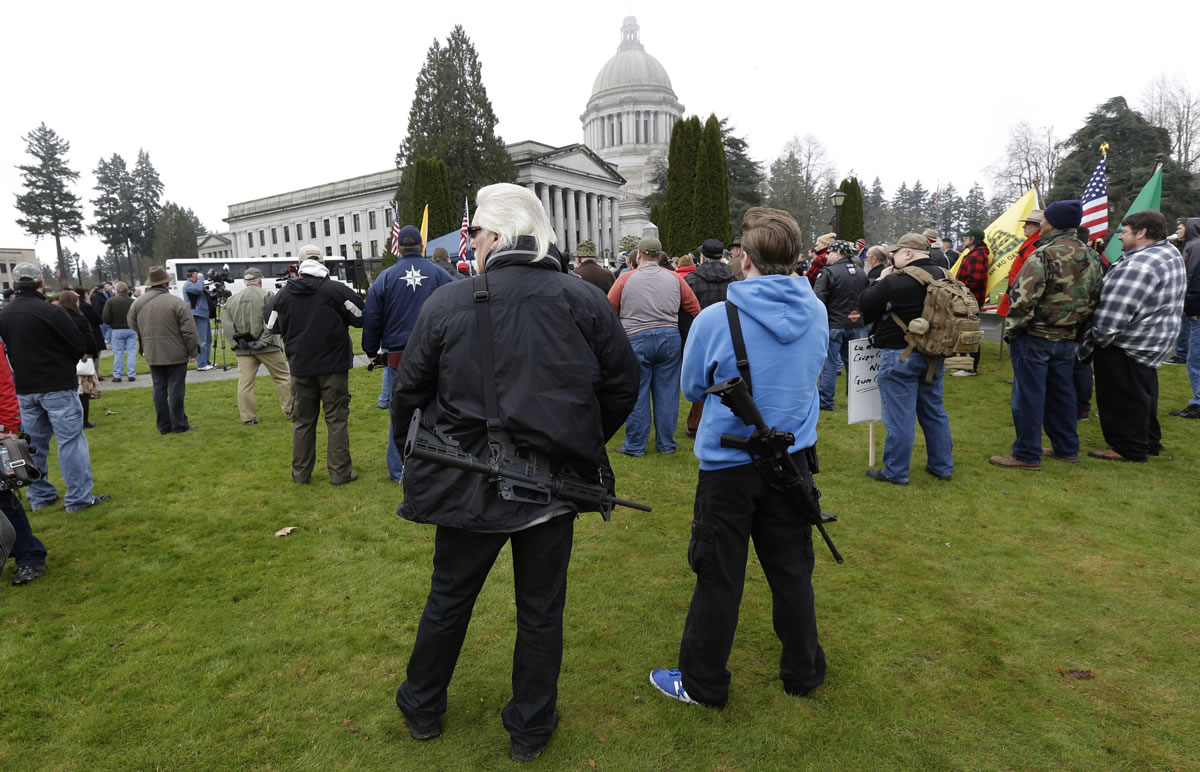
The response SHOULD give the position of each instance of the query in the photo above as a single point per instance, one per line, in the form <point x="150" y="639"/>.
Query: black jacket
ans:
<point x="97" y="300"/>
<point x="93" y="319"/>
<point x="938" y="258"/>
<point x="898" y="293"/>
<point x="565" y="374"/>
<point x="312" y="314"/>
<point x="1191" y="257"/>
<point x="838" y="287"/>
<point x="710" y="281"/>
<point x="43" y="344"/>
<point x="85" y="328"/>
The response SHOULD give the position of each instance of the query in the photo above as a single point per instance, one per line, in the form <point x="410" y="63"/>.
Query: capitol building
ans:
<point x="591" y="190"/>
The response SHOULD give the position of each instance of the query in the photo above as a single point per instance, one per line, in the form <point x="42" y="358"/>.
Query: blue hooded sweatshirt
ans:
<point x="787" y="335"/>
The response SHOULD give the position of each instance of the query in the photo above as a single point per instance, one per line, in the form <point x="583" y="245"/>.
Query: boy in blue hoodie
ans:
<point x="786" y="331"/>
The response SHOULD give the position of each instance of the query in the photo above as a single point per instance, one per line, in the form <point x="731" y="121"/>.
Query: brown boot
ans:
<point x="1108" y="454"/>
<point x="1008" y="462"/>
<point x="1049" y="453"/>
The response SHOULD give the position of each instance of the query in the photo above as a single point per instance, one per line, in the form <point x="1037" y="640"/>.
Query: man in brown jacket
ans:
<point x="589" y="271"/>
<point x="169" y="341"/>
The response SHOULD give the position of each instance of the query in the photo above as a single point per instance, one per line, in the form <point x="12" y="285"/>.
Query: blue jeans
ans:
<point x="28" y="549"/>
<point x="124" y="343"/>
<point x="660" y="354"/>
<point x="205" y="340"/>
<point x="1193" y="362"/>
<point x="58" y="413"/>
<point x="1043" y="395"/>
<point x="107" y="330"/>
<point x="395" y="461"/>
<point x="1184" y="343"/>
<point x="906" y="398"/>
<point x="385" y="391"/>
<point x="839" y="345"/>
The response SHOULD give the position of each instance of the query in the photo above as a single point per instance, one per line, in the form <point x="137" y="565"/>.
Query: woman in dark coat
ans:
<point x="93" y="319"/>
<point x="70" y="301"/>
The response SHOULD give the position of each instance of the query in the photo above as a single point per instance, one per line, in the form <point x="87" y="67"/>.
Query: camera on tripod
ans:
<point x="218" y="278"/>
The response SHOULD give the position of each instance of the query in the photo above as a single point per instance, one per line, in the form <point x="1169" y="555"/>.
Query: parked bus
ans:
<point x="275" y="271"/>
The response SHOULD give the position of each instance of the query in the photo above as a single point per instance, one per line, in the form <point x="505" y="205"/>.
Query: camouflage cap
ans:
<point x="585" y="249"/>
<point x="26" y="273"/>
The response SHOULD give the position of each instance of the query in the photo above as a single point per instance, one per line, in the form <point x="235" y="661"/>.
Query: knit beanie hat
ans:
<point x="1064" y="215"/>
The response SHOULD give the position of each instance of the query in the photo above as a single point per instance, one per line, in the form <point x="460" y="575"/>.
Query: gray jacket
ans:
<point x="244" y="314"/>
<point x="165" y="326"/>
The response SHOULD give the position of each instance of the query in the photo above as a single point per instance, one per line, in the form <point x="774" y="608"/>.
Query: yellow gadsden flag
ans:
<point x="1003" y="238"/>
<point x="425" y="226"/>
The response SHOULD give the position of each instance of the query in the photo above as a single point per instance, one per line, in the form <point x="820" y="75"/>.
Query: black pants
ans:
<point x="733" y="505"/>
<point x="170" y="381"/>
<point x="26" y="548"/>
<point x="461" y="562"/>
<point x="1127" y="398"/>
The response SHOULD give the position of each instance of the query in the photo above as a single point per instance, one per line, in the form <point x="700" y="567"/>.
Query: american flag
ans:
<point x="396" y="235"/>
<point x="1095" y="202"/>
<point x="462" y="232"/>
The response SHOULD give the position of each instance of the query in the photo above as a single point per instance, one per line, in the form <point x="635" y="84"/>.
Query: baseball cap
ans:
<point x="409" y="236"/>
<point x="915" y="241"/>
<point x="26" y="273"/>
<point x="310" y="252"/>
<point x="650" y="246"/>
<point x="253" y="273"/>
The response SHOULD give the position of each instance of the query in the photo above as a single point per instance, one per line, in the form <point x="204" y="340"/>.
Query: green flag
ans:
<point x="1149" y="198"/>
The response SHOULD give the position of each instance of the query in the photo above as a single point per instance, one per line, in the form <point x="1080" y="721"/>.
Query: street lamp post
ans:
<point x="359" y="273"/>
<point x="838" y="198"/>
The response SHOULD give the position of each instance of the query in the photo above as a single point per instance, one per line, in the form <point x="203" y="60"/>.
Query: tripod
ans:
<point x="218" y="333"/>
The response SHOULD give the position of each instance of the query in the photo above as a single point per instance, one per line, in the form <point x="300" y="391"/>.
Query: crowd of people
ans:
<point x="518" y="352"/>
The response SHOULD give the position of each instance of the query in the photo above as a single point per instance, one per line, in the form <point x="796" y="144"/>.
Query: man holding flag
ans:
<point x="393" y="304"/>
<point x="1132" y="333"/>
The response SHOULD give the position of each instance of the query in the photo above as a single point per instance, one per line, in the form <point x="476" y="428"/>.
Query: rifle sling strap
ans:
<point x="739" y="345"/>
<point x="487" y="366"/>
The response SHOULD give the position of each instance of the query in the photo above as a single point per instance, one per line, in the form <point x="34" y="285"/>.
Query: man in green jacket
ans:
<point x="169" y="341"/>
<point x="254" y="346"/>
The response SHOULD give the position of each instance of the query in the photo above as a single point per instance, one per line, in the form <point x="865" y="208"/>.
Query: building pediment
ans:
<point x="213" y="241"/>
<point x="578" y="159"/>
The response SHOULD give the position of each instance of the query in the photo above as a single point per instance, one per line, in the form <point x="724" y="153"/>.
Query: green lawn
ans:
<point x="174" y="630"/>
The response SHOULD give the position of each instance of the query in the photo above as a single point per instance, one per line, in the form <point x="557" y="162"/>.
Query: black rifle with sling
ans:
<point x="519" y="474"/>
<point x="768" y="446"/>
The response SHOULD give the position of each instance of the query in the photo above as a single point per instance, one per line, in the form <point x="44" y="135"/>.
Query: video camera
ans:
<point x="16" y="462"/>
<point x="380" y="360"/>
<point x="218" y="278"/>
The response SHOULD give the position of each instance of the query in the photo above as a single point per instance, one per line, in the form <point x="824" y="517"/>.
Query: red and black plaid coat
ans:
<point x="974" y="272"/>
<point x="818" y="262"/>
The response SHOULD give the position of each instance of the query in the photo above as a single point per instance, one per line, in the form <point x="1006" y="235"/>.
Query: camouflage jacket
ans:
<point x="1056" y="290"/>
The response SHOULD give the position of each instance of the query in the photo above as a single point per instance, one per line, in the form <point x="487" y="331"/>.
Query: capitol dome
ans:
<point x="628" y="120"/>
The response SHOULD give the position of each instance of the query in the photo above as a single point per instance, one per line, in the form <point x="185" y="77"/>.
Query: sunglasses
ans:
<point x="474" y="231"/>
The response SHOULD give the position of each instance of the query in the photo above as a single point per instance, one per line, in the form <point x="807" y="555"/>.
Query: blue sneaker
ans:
<point x="670" y="683"/>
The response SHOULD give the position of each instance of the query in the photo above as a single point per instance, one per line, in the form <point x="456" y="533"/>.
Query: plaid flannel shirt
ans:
<point x="818" y="262"/>
<point x="974" y="272"/>
<point x="1141" y="305"/>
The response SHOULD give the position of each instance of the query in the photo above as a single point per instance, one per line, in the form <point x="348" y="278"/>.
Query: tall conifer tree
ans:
<point x="47" y="206"/>
<point x="850" y="220"/>
<point x="681" y="184"/>
<point x="452" y="119"/>
<point x="710" y="204"/>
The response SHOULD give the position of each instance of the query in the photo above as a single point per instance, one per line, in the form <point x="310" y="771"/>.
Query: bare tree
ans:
<point x="1171" y="104"/>
<point x="801" y="179"/>
<point x="1031" y="160"/>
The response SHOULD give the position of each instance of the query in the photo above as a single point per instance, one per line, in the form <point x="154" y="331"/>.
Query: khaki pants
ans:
<point x="309" y="394"/>
<point x="277" y="367"/>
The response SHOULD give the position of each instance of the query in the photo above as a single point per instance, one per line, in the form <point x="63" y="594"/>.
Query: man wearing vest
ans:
<point x="785" y="336"/>
<point x="838" y="286"/>
<point x="905" y="394"/>
<point x="1049" y="302"/>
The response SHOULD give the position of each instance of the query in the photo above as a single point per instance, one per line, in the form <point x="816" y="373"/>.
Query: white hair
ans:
<point x="511" y="211"/>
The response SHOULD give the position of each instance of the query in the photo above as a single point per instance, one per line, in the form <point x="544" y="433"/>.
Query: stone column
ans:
<point x="546" y="202"/>
<point x="614" y="223"/>
<point x="572" y="242"/>
<point x="560" y="217"/>
<point x="582" y="211"/>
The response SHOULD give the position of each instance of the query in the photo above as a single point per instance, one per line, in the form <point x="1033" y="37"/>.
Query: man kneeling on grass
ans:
<point x="786" y="334"/>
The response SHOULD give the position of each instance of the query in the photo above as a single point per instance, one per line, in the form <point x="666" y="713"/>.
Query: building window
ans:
<point x="371" y="220"/>
<point x="312" y="229"/>
<point x="356" y="225"/>
<point x="387" y="218"/>
<point x="287" y="234"/>
<point x="341" y="225"/>
<point x="262" y="238"/>
<point x="299" y="231"/>
<point x="328" y="251"/>
<point x="250" y="239"/>
<point x="274" y="236"/>
<point x="374" y="247"/>
<point x="287" y="254"/>
<point x="326" y="227"/>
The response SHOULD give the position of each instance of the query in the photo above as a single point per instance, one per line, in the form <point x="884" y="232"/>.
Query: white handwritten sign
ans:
<point x="863" y="404"/>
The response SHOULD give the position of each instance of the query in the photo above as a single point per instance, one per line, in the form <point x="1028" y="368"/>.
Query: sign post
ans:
<point x="863" y="405"/>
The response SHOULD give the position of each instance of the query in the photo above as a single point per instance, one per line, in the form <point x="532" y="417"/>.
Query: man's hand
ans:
<point x="191" y="359"/>
<point x="86" y="357"/>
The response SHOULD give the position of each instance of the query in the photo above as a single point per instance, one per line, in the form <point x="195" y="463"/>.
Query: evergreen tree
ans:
<point x="681" y="185"/>
<point x="202" y="231"/>
<point x="975" y="209"/>
<point x="918" y="205"/>
<point x="851" y="226"/>
<point x="1133" y="148"/>
<point x="950" y="218"/>
<point x="658" y="216"/>
<point x="452" y="119"/>
<point x="629" y="241"/>
<point x="875" y="212"/>
<point x="174" y="235"/>
<point x="710" y="206"/>
<point x="746" y="176"/>
<point x="444" y="218"/>
<point x="146" y="198"/>
<point x="658" y="181"/>
<point x="113" y="211"/>
<point x="422" y="189"/>
<point x="47" y="206"/>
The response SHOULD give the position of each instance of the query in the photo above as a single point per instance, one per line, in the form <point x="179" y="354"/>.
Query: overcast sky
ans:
<point x="236" y="100"/>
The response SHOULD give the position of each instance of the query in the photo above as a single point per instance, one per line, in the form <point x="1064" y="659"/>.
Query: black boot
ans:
<point x="86" y="401"/>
